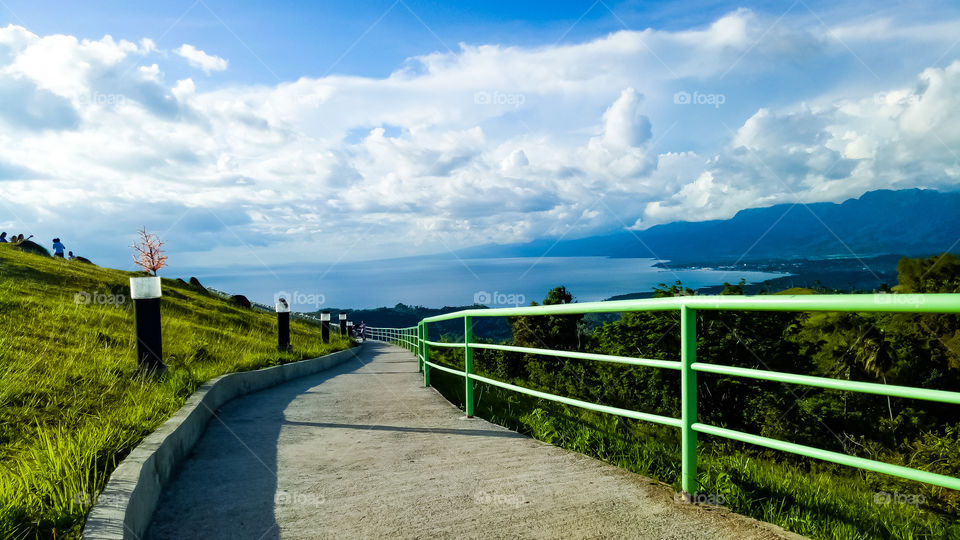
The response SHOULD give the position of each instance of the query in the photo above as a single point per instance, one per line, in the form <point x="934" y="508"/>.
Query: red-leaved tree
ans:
<point x="148" y="253"/>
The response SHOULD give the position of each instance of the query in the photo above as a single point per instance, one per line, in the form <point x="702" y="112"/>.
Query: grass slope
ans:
<point x="71" y="403"/>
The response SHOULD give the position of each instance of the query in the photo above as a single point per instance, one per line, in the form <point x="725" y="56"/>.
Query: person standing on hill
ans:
<point x="3" y="238"/>
<point x="58" y="248"/>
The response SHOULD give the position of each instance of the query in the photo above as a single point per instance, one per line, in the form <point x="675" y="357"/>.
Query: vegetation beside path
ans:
<point x="71" y="402"/>
<point x="811" y="497"/>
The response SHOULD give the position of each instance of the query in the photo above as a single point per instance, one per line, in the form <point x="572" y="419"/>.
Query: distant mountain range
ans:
<point x="914" y="222"/>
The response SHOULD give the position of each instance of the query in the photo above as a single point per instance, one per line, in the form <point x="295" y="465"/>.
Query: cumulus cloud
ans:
<point x="487" y="143"/>
<point x="37" y="108"/>
<point x="898" y="138"/>
<point x="201" y="60"/>
<point x="621" y="148"/>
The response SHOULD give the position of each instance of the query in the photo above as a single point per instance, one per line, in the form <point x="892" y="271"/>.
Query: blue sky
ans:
<point x="286" y="40"/>
<point x="245" y="131"/>
<point x="362" y="37"/>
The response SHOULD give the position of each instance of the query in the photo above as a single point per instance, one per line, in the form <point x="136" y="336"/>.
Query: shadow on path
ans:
<point x="441" y="431"/>
<point x="364" y="451"/>
<point x="227" y="488"/>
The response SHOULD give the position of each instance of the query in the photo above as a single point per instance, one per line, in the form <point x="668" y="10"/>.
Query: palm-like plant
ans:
<point x="861" y="348"/>
<point x="877" y="357"/>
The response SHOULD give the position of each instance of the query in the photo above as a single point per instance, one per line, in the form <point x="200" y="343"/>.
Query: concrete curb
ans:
<point x="125" y="507"/>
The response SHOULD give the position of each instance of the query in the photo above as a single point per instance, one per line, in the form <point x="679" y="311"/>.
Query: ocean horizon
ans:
<point x="448" y="281"/>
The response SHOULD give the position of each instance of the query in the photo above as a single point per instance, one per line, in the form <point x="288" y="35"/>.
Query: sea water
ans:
<point x="449" y="281"/>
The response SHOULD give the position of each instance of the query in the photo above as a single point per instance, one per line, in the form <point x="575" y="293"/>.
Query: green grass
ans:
<point x="812" y="498"/>
<point x="797" y="290"/>
<point x="72" y="404"/>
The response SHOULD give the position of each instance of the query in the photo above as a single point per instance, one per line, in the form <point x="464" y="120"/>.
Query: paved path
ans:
<point x="364" y="451"/>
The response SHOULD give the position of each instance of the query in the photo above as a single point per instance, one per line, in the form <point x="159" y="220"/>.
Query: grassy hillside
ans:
<point x="71" y="402"/>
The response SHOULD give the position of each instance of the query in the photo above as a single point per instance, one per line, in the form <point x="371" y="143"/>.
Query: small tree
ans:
<point x="148" y="253"/>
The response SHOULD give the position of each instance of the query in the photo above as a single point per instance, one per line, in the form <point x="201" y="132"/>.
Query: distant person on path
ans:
<point x="58" y="248"/>
<point x="3" y="238"/>
<point x="363" y="331"/>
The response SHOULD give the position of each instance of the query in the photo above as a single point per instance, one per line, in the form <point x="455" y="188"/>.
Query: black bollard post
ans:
<point x="325" y="326"/>
<point x="283" y="326"/>
<point x="343" y="324"/>
<point x="145" y="293"/>
<point x="349" y="328"/>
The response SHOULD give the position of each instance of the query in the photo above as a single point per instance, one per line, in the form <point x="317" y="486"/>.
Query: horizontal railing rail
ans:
<point x="416" y="339"/>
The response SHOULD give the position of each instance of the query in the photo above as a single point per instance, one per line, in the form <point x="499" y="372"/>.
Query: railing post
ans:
<point x="426" y="356"/>
<point x="468" y="364"/>
<point x="688" y="402"/>
<point x="419" y="346"/>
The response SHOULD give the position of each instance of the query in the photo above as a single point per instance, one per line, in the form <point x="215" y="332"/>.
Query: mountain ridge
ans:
<point x="914" y="222"/>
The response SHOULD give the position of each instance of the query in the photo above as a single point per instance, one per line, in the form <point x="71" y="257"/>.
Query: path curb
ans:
<point x="125" y="507"/>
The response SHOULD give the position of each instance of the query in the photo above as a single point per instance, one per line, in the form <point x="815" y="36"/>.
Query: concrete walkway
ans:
<point x="364" y="451"/>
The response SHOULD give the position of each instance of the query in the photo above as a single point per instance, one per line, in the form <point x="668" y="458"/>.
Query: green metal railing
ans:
<point x="416" y="340"/>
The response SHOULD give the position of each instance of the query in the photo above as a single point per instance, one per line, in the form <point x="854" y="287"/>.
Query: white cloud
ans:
<point x="621" y="149"/>
<point x="568" y="139"/>
<point x="515" y="162"/>
<point x="201" y="60"/>
<point x="899" y="138"/>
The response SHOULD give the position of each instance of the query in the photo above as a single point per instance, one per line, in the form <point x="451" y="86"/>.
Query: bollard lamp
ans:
<point x="145" y="293"/>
